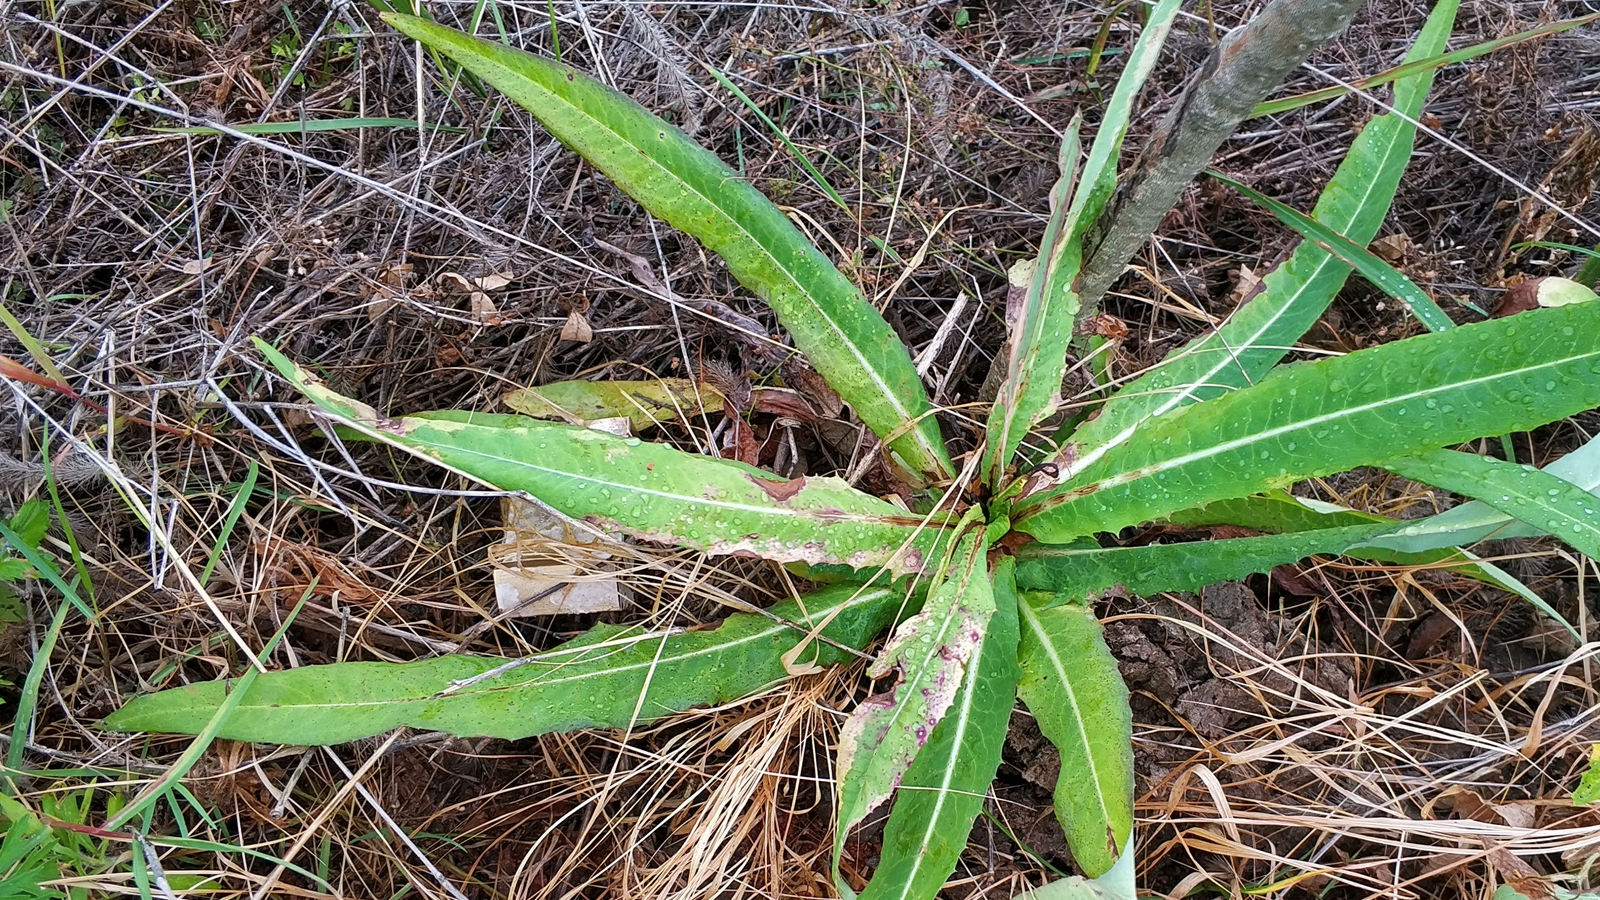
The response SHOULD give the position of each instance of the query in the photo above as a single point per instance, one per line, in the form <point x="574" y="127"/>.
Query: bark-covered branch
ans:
<point x="1248" y="64"/>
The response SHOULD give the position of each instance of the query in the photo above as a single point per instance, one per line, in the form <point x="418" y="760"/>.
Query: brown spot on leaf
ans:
<point x="388" y="425"/>
<point x="780" y="491"/>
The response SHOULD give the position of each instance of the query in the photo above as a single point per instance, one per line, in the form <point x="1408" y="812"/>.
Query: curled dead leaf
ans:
<point x="1542" y="292"/>
<point x="577" y="329"/>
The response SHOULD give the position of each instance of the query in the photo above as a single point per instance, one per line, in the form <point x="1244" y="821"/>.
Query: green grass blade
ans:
<point x="1077" y="571"/>
<point x="1551" y="504"/>
<point x="1273" y="107"/>
<point x="931" y="652"/>
<point x="1293" y="295"/>
<point x="644" y="403"/>
<point x="1071" y="684"/>
<point x="817" y="177"/>
<point x="690" y="188"/>
<point x="230" y="520"/>
<point x="943" y="791"/>
<point x="1319" y="418"/>
<point x="608" y="678"/>
<point x="650" y="491"/>
<point x="1477" y="521"/>
<point x="1382" y="275"/>
<point x="1043" y="328"/>
<point x="28" y="698"/>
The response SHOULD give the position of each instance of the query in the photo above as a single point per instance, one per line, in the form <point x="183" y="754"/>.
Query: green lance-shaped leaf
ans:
<point x="1071" y="685"/>
<point x="649" y="490"/>
<point x="610" y="677"/>
<point x="1547" y="502"/>
<point x="943" y="791"/>
<point x="1079" y="570"/>
<point x="1316" y="419"/>
<point x="644" y="403"/>
<point x="1293" y="295"/>
<point x="1382" y="275"/>
<point x="690" y="188"/>
<point x="1042" y="327"/>
<point x="1477" y="521"/>
<point x="931" y="653"/>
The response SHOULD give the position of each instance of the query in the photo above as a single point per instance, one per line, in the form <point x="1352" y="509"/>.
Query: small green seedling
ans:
<point x="986" y="574"/>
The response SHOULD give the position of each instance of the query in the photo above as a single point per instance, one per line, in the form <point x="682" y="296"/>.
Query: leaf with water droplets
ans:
<point x="651" y="491"/>
<point x="1478" y="521"/>
<point x="1071" y="685"/>
<point x="1293" y="295"/>
<point x="1551" y="504"/>
<point x="930" y="654"/>
<point x="1314" y="419"/>
<point x="610" y="677"/>
<point x="842" y="335"/>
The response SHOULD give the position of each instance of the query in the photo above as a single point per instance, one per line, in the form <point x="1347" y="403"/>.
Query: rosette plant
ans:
<point x="983" y="574"/>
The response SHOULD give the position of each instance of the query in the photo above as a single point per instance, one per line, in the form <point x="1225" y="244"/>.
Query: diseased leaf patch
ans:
<point x="931" y="652"/>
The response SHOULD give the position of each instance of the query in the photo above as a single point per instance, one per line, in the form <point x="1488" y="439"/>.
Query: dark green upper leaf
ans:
<point x="1076" y="571"/>
<point x="690" y="188"/>
<point x="1316" y="419"/>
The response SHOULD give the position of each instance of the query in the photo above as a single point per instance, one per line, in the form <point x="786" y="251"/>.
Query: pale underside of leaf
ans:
<point x="1071" y="685"/>
<point x="691" y="189"/>
<point x="1292" y="296"/>
<point x="1545" y="501"/>
<point x="611" y="677"/>
<point x="1433" y="546"/>
<point x="1316" y="419"/>
<point x="1477" y="521"/>
<point x="930" y="652"/>
<point x="1117" y="884"/>
<point x="651" y="491"/>
<point x="944" y="790"/>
